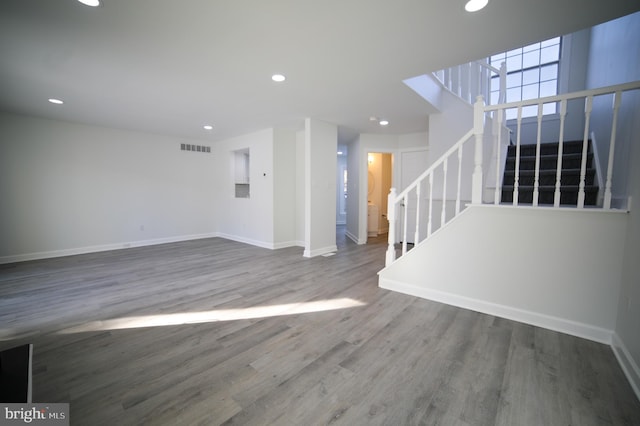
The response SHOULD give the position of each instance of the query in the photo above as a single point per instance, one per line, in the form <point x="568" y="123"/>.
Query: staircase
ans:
<point x="569" y="178"/>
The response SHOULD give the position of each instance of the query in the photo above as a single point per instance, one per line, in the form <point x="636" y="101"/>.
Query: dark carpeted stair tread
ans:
<point x="548" y="163"/>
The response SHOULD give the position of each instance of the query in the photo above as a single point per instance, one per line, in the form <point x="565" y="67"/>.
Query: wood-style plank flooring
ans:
<point x="217" y="332"/>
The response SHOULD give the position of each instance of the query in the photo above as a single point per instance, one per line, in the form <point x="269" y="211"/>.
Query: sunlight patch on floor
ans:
<point x="214" y="315"/>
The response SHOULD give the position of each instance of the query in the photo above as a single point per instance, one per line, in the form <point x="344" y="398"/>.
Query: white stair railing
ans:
<point x="469" y="176"/>
<point x="586" y="96"/>
<point x="468" y="81"/>
<point x="438" y="180"/>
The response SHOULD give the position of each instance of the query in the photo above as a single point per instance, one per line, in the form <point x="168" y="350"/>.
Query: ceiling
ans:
<point x="170" y="67"/>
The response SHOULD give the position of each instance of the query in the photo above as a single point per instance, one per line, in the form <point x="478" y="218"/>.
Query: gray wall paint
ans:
<point x="614" y="59"/>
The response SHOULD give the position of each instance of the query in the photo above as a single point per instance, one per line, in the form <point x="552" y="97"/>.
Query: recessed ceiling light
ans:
<point x="278" y="78"/>
<point x="339" y="152"/>
<point x="475" y="5"/>
<point x="208" y="127"/>
<point x="56" y="101"/>
<point x="384" y="122"/>
<point x="92" y="3"/>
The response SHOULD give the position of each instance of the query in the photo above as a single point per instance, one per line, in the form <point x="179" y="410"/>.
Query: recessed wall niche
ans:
<point x="242" y="172"/>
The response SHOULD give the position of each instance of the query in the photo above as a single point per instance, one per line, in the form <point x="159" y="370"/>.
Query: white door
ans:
<point x="412" y="164"/>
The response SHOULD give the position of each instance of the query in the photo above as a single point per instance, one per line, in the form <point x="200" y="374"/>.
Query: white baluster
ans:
<point x="430" y="203"/>
<point x="459" y="91"/>
<point x="502" y="96"/>
<point x="617" y="97"/>
<point x="481" y="80"/>
<point x="498" y="148"/>
<point x="516" y="177"/>
<point x="392" y="207"/>
<point x="405" y="202"/>
<point x="449" y="79"/>
<point x="416" y="238"/>
<point x="563" y="113"/>
<point x="585" y="149"/>
<point x="469" y="74"/>
<point x="478" y="130"/>
<point x="443" y="216"/>
<point x="536" y="179"/>
<point x="459" y="179"/>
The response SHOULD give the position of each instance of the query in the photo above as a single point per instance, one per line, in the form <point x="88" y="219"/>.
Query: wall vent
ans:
<point x="195" y="148"/>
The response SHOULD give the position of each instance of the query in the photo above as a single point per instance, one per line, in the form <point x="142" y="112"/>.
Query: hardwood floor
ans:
<point x="217" y="332"/>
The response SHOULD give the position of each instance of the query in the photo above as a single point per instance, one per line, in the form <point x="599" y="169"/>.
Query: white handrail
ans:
<point x="568" y="96"/>
<point x="477" y="176"/>
<point x="581" y="192"/>
<point x="478" y="77"/>
<point x="395" y="200"/>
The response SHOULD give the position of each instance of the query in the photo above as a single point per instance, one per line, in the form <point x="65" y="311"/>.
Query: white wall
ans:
<point x="358" y="179"/>
<point x="321" y="146"/>
<point x="284" y="184"/>
<point x="448" y="127"/>
<point x="353" y="190"/>
<point x="250" y="219"/>
<point x="615" y="58"/>
<point x="553" y="268"/>
<point x="300" y="188"/>
<point x="68" y="188"/>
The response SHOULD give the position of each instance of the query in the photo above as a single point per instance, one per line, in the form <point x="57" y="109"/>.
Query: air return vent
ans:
<point x="195" y="148"/>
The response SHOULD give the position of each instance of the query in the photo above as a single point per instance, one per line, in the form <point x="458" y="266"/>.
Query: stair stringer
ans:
<point x="559" y="271"/>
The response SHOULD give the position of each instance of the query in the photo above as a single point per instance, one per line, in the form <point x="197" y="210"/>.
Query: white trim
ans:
<point x="104" y="247"/>
<point x="286" y="244"/>
<point x="562" y="325"/>
<point x="628" y="364"/>
<point x="320" y="251"/>
<point x="244" y="240"/>
<point x="354" y="238"/>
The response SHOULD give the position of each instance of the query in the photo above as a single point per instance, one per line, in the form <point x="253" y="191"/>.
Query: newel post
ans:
<point x="391" y="216"/>
<point x="478" y="131"/>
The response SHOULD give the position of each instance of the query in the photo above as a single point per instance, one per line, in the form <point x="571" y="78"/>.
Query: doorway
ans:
<point x="342" y="179"/>
<point x="379" y="181"/>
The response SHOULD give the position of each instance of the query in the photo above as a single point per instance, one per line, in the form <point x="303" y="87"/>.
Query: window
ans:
<point x="532" y="72"/>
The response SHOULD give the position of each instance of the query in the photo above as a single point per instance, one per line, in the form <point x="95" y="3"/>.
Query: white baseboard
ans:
<point x="263" y="244"/>
<point x="320" y="251"/>
<point x="287" y="244"/>
<point x="354" y="238"/>
<point x="562" y="325"/>
<point x="627" y="363"/>
<point x="245" y="240"/>
<point x="104" y="247"/>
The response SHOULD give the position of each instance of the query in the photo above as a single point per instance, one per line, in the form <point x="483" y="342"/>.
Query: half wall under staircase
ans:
<point x="541" y="261"/>
<point x="546" y="267"/>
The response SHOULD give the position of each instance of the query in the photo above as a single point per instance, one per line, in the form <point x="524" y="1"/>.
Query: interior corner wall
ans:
<point x="354" y="153"/>
<point x="248" y="220"/>
<point x="321" y="147"/>
<point x="627" y="338"/>
<point x="614" y="58"/>
<point x="448" y="127"/>
<point x="284" y="187"/>
<point x="300" y="188"/>
<point x="68" y="188"/>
